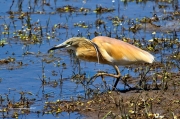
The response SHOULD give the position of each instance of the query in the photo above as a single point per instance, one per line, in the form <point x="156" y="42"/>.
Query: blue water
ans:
<point x="27" y="78"/>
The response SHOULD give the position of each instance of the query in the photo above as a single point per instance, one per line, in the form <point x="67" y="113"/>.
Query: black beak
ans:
<point x="57" y="47"/>
<point x="53" y="48"/>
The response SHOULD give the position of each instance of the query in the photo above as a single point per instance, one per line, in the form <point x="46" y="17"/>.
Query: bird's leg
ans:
<point x="112" y="75"/>
<point x="117" y="76"/>
<point x="106" y="74"/>
<point x="117" y="80"/>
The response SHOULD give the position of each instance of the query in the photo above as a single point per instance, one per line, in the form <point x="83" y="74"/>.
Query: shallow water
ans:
<point x="16" y="77"/>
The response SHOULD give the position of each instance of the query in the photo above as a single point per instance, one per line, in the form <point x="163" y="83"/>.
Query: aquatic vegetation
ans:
<point x="36" y="83"/>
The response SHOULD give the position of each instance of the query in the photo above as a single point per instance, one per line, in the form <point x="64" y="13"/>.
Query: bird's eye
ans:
<point x="69" y="43"/>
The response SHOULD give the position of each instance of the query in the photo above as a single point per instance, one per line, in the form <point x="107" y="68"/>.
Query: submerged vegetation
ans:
<point x="35" y="83"/>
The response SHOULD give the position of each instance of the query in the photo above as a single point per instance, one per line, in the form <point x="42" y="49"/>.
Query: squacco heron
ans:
<point x="106" y="50"/>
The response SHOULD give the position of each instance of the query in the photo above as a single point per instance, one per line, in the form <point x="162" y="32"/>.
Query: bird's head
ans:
<point x="71" y="43"/>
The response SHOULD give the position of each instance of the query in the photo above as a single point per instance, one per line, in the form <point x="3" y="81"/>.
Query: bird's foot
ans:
<point x="102" y="74"/>
<point x="96" y="75"/>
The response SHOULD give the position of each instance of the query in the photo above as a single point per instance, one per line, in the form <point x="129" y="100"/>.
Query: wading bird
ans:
<point x="106" y="50"/>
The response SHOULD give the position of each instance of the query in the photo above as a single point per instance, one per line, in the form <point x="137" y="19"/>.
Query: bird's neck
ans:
<point x="85" y="49"/>
<point x="89" y="52"/>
